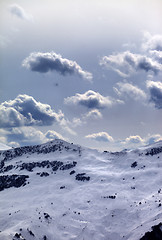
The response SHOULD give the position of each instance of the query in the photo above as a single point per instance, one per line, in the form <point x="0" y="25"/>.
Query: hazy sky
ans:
<point x="89" y="72"/>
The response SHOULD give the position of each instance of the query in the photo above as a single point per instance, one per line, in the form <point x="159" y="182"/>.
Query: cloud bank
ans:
<point x="155" y="89"/>
<point x="50" y="61"/>
<point x="24" y="110"/>
<point x="91" y="100"/>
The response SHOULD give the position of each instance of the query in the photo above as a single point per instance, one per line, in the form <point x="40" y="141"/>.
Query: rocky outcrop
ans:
<point x="155" y="234"/>
<point x="14" y="180"/>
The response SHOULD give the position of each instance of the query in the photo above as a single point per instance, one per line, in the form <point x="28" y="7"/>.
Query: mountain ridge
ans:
<point x="60" y="190"/>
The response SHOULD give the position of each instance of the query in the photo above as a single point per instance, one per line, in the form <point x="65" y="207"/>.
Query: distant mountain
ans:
<point x="62" y="191"/>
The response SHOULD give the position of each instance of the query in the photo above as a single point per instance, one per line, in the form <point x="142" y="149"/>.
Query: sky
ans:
<point x="88" y="72"/>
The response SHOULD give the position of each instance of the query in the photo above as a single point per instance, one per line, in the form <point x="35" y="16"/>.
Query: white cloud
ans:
<point x="93" y="114"/>
<point x="126" y="63"/>
<point x="24" y="110"/>
<point x="50" y="61"/>
<point x="152" y="42"/>
<point x="21" y="136"/>
<point x="101" y="137"/>
<point x="19" y="12"/>
<point x="134" y="140"/>
<point x="91" y="100"/>
<point x="153" y="138"/>
<point x="155" y="89"/>
<point x="53" y="135"/>
<point x="125" y="88"/>
<point x="137" y="141"/>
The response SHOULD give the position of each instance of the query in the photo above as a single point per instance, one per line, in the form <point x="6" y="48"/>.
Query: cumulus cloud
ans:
<point x="91" y="99"/>
<point x="155" y="89"/>
<point x="125" y="88"/>
<point x="53" y="135"/>
<point x="19" y="12"/>
<point x="154" y="138"/>
<point x="126" y="63"/>
<point x="134" y="140"/>
<point x="152" y="42"/>
<point x="137" y="140"/>
<point x="24" y="110"/>
<point x="50" y="61"/>
<point x="22" y="136"/>
<point x="94" y="114"/>
<point x="100" y="137"/>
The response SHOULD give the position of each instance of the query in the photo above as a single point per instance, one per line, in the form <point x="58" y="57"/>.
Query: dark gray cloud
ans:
<point x="19" y="12"/>
<point x="155" y="89"/>
<point x="24" y="110"/>
<point x="126" y="63"/>
<point x="92" y="100"/>
<point x="100" y="137"/>
<point x="50" y="61"/>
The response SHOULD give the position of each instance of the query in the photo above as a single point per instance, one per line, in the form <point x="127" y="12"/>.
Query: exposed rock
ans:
<point x="14" y="180"/>
<point x="155" y="234"/>
<point x="82" y="177"/>
<point x="154" y="151"/>
<point x="72" y="172"/>
<point x="44" y="174"/>
<point x="134" y="164"/>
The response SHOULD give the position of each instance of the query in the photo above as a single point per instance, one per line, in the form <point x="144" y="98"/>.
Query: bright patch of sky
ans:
<point x="88" y="72"/>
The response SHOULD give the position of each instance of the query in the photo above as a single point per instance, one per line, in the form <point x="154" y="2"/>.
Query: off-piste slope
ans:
<point x="61" y="191"/>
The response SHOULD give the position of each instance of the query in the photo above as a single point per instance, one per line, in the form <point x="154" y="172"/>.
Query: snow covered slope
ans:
<point x="60" y="191"/>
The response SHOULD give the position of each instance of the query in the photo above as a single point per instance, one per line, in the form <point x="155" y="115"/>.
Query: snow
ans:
<point x="118" y="202"/>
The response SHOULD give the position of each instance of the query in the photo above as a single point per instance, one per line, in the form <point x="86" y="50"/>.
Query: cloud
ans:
<point x="155" y="89"/>
<point x="126" y="63"/>
<point x="4" y="41"/>
<point x="152" y="42"/>
<point x="65" y="123"/>
<point x="93" y="114"/>
<point x="154" y="138"/>
<point x="157" y="55"/>
<point x="22" y="136"/>
<point x="139" y="141"/>
<point x="53" y="135"/>
<point x="100" y="137"/>
<point x="24" y="110"/>
<point x="125" y="88"/>
<point x="91" y="99"/>
<point x="50" y="61"/>
<point x="19" y="12"/>
<point x="134" y="140"/>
